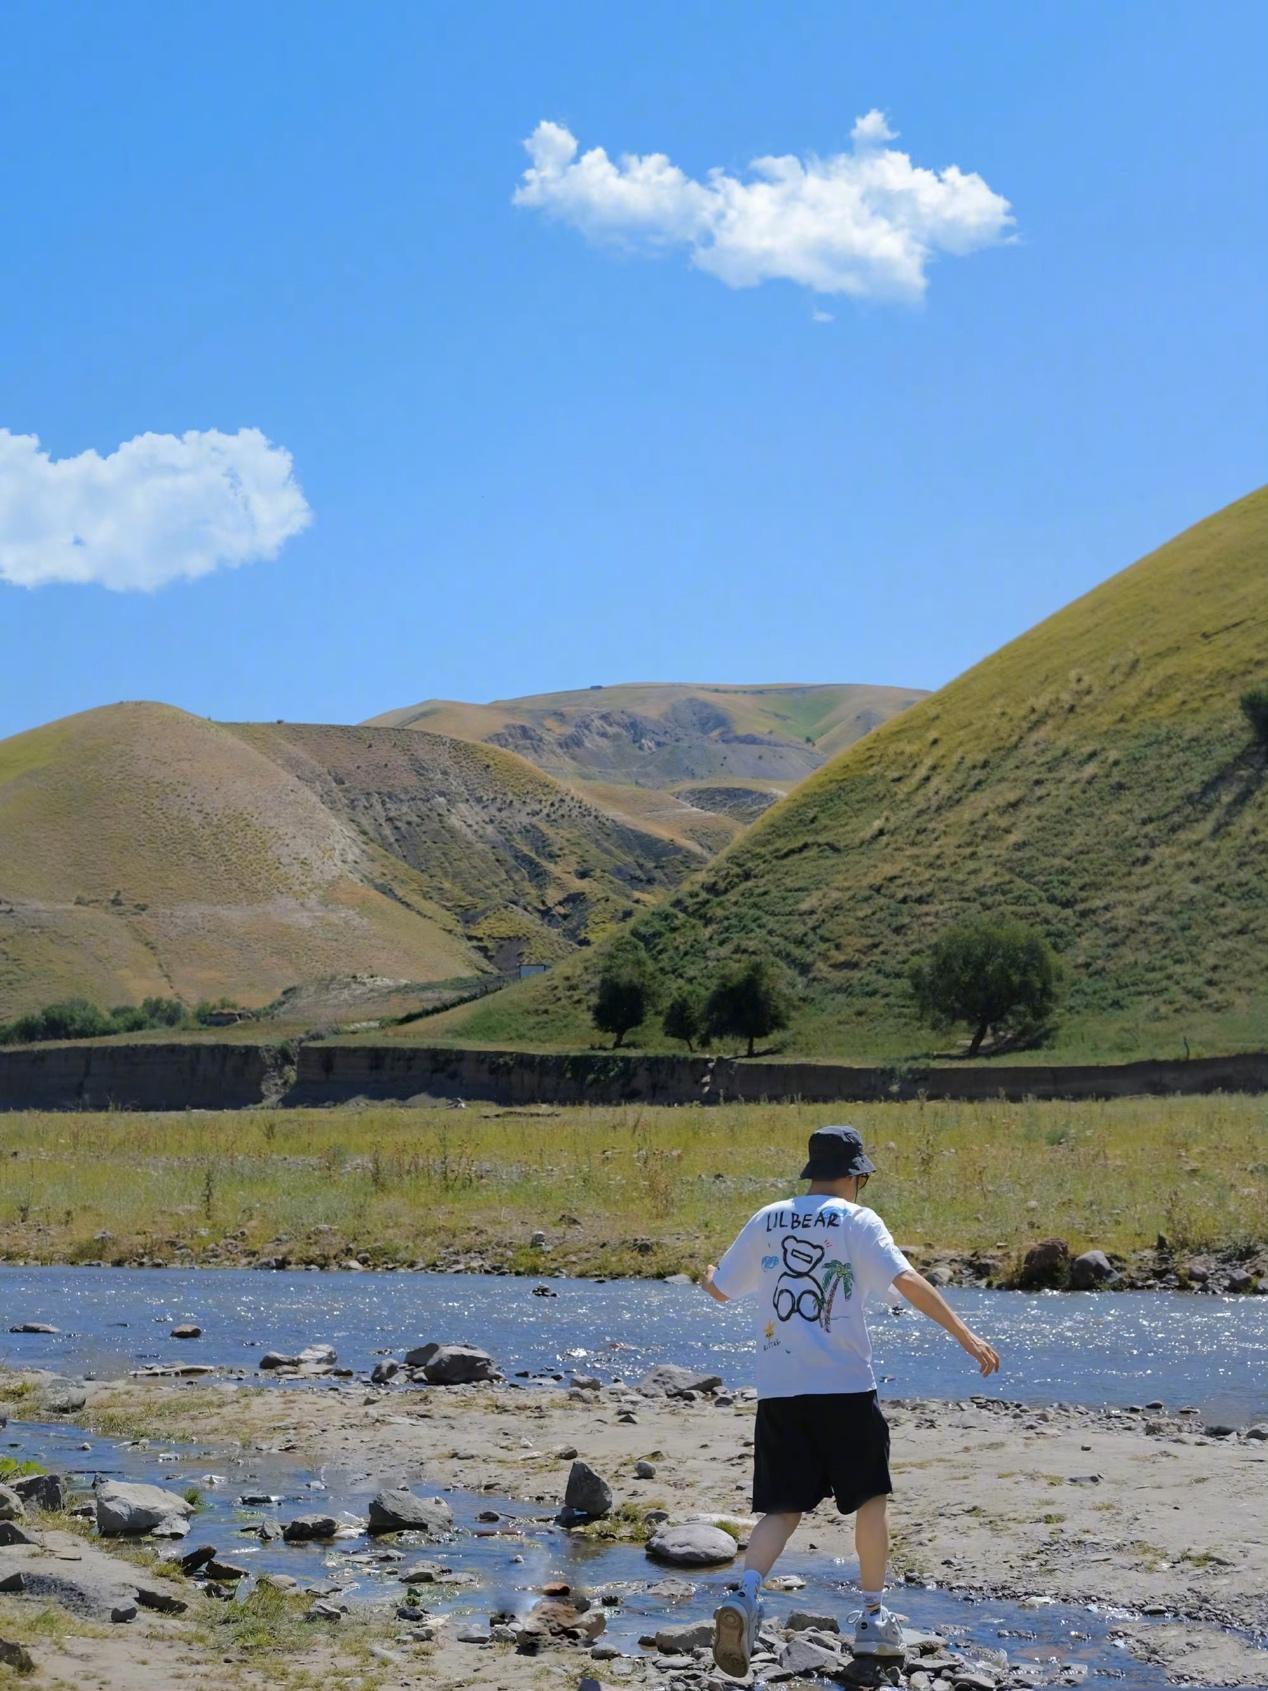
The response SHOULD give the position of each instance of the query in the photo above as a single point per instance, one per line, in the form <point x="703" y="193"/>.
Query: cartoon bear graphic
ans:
<point x="797" y="1291"/>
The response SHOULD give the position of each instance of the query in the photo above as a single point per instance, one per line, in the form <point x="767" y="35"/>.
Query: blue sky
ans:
<point x="535" y="458"/>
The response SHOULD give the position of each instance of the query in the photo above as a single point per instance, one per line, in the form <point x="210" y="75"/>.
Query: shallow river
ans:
<point x="1091" y="1348"/>
<point x="1095" y="1349"/>
<point x="1051" y="1639"/>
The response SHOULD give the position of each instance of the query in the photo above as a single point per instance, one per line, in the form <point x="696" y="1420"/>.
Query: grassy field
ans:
<point x="644" y="1191"/>
<point x="1096" y="778"/>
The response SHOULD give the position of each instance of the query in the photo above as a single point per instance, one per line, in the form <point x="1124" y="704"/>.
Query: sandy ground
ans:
<point x="1070" y="1505"/>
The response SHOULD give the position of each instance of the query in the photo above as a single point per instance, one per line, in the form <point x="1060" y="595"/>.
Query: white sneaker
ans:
<point x="735" y="1623"/>
<point x="878" y="1633"/>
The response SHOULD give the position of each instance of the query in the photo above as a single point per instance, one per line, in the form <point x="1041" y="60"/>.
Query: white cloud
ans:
<point x="866" y="222"/>
<point x="819" y="316"/>
<point x="871" y="129"/>
<point x="159" y="508"/>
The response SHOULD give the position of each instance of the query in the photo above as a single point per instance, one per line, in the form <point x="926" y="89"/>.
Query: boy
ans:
<point x="812" y="1261"/>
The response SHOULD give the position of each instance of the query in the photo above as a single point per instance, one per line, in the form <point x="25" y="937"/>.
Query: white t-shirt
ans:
<point x="812" y="1261"/>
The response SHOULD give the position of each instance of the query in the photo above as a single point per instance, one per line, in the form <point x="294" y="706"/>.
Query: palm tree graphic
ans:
<point x="834" y="1274"/>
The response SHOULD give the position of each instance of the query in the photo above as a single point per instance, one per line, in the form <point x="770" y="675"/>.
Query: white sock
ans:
<point x="872" y="1600"/>
<point x="751" y="1584"/>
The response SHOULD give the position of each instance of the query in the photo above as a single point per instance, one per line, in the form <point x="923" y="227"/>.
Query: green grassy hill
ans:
<point x="1096" y="778"/>
<point x="147" y="851"/>
<point x="694" y="762"/>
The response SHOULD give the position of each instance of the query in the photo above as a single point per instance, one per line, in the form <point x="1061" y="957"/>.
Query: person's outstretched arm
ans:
<point x="714" y="1292"/>
<point x="930" y="1301"/>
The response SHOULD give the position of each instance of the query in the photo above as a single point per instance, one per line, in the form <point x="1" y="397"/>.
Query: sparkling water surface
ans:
<point x="1102" y="1348"/>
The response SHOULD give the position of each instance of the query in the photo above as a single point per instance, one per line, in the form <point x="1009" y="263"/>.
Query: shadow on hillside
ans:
<point x="1233" y="787"/>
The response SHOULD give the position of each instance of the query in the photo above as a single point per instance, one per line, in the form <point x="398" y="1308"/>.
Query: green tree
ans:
<point x="997" y="976"/>
<point x="684" y="1016"/>
<point x="750" y="1002"/>
<point x="1255" y="710"/>
<point x="625" y="994"/>
<point x="72" y="1018"/>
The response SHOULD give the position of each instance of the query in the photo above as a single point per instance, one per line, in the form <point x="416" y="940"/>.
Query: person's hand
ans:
<point x="986" y="1359"/>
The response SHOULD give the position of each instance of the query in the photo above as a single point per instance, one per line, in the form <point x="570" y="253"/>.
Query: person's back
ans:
<point x="810" y="1263"/>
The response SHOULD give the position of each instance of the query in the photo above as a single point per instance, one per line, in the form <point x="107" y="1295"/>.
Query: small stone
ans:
<point x="800" y="1656"/>
<point x="803" y="1620"/>
<point x="1091" y="1269"/>
<point x="692" y="1544"/>
<point x="401" y="1511"/>
<point x="678" y="1640"/>
<point x="1045" y="1265"/>
<point x="588" y="1493"/>
<point x="16" y="1656"/>
<point x="33" y="1327"/>
<point x="670" y="1380"/>
<point x="323" y="1611"/>
<point x="187" y="1330"/>
<point x="12" y="1507"/>
<point x="644" y="1471"/>
<point x="42" y="1491"/>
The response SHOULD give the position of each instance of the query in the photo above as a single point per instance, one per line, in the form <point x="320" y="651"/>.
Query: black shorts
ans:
<point x="808" y="1448"/>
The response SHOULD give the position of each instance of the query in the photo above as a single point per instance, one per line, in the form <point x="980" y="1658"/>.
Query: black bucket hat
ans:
<point x="836" y="1152"/>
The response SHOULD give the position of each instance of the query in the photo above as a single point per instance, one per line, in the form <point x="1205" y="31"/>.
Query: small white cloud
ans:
<point x="866" y="223"/>
<point x="818" y="316"/>
<point x="871" y="130"/>
<point x="159" y="508"/>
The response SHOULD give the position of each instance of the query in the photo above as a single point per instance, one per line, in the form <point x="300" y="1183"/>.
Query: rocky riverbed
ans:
<point x="1153" y="1520"/>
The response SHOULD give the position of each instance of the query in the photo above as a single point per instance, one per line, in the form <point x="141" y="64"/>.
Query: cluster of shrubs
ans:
<point x="749" y="1001"/>
<point x="77" y="1018"/>
<point x="1001" y="979"/>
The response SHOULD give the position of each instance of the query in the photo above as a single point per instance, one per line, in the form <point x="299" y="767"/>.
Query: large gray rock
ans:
<point x="313" y="1359"/>
<point x="1046" y="1265"/>
<point x="42" y="1491"/>
<point x="305" y="1527"/>
<point x="12" y="1507"/>
<point x="1091" y="1269"/>
<point x="681" y="1640"/>
<point x="667" y="1379"/>
<point x="66" y="1570"/>
<point x="62" y="1397"/>
<point x="587" y="1493"/>
<point x="458" y="1365"/>
<point x="694" y="1544"/>
<point x="16" y="1656"/>
<point x="800" y="1656"/>
<point x="127" y="1511"/>
<point x="400" y="1511"/>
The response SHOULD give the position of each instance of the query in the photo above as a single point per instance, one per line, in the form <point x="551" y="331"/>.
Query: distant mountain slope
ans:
<point x="1096" y="777"/>
<point x="718" y="754"/>
<point x="514" y="855"/>
<point x="144" y="850"/>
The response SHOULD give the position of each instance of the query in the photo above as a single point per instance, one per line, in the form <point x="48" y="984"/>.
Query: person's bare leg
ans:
<point x="767" y="1541"/>
<point x="871" y="1541"/>
<point x="736" y="1619"/>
